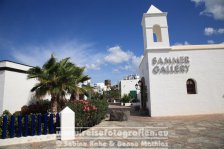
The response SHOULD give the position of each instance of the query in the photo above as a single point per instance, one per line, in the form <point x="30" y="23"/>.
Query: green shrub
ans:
<point x="17" y="113"/>
<point x="24" y="110"/>
<point x="102" y="109"/>
<point x="126" y="98"/>
<point x="42" y="106"/>
<point x="6" y="112"/>
<point x="88" y="114"/>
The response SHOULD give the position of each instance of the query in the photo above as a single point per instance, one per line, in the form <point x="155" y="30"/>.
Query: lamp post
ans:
<point x="141" y="87"/>
<point x="138" y="87"/>
<point x="139" y="83"/>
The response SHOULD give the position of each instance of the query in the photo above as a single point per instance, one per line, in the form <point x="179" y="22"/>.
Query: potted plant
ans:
<point x="126" y="100"/>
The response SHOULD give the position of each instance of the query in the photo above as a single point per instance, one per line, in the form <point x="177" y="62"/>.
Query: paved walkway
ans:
<point x="206" y="131"/>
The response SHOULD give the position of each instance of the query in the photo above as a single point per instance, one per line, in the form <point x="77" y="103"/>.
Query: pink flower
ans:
<point x="85" y="108"/>
<point x="94" y="107"/>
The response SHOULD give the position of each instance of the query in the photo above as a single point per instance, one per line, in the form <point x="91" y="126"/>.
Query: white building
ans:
<point x="128" y="84"/>
<point x="179" y="80"/>
<point x="100" y="88"/>
<point x="88" y="82"/>
<point x="14" y="86"/>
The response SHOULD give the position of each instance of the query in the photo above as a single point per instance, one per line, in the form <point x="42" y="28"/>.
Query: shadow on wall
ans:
<point x="34" y="99"/>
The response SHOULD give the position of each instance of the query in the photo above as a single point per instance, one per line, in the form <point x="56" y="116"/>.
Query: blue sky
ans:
<point x="103" y="35"/>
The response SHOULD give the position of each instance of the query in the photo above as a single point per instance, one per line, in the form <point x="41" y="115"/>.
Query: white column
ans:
<point x="67" y="124"/>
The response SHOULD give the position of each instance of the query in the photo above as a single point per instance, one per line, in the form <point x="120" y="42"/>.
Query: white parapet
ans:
<point x="67" y="124"/>
<point x="28" y="139"/>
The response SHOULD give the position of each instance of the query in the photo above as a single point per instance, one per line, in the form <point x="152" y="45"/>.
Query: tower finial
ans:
<point x="153" y="9"/>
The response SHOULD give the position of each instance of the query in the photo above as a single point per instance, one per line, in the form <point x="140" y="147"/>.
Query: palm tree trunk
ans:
<point x="61" y="103"/>
<point x="77" y="97"/>
<point x="74" y="97"/>
<point x="54" y="104"/>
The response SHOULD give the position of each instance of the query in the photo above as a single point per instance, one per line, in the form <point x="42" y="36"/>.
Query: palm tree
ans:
<point x="55" y="79"/>
<point x="47" y="81"/>
<point x="77" y="80"/>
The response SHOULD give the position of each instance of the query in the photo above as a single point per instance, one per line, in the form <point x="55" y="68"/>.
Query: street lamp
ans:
<point x="138" y="85"/>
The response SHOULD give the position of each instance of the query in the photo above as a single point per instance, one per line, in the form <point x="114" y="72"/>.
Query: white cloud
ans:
<point x="82" y="54"/>
<point x="119" y="61"/>
<point x="209" y="31"/>
<point x="93" y="66"/>
<point x="211" y="42"/>
<point x="197" y="2"/>
<point x="133" y="64"/>
<point x="123" y="60"/>
<point x="117" y="55"/>
<point x="213" y="8"/>
<point x="127" y="67"/>
<point x="136" y="61"/>
<point x="115" y="71"/>
<point x="97" y="62"/>
<point x="220" y="30"/>
<point x="212" y="31"/>
<point x="184" y="43"/>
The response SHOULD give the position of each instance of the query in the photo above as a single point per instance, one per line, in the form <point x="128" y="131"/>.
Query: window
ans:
<point x="154" y="37"/>
<point x="157" y="37"/>
<point x="191" y="86"/>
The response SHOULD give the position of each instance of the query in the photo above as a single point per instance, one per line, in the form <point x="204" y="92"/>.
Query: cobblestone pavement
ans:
<point x="187" y="132"/>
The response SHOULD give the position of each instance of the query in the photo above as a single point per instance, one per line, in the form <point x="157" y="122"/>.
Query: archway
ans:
<point x="157" y="36"/>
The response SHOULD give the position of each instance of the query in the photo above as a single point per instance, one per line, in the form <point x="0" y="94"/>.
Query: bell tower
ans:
<point x="155" y="29"/>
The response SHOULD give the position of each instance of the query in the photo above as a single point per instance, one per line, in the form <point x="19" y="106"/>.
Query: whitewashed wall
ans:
<point x="128" y="85"/>
<point x="17" y="91"/>
<point x="148" y="22"/>
<point x="2" y="82"/>
<point x="14" y="88"/>
<point x="144" y="72"/>
<point x="168" y="91"/>
<point x="14" y="65"/>
<point x="100" y="88"/>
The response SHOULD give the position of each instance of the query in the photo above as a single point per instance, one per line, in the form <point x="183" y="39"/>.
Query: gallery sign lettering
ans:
<point x="170" y="65"/>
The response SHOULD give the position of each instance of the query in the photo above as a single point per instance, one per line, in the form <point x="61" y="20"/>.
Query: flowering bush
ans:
<point x="87" y="114"/>
<point x="87" y="106"/>
<point x="90" y="113"/>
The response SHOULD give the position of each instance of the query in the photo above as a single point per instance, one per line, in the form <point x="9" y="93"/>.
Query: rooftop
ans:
<point x="153" y="9"/>
<point x="198" y="47"/>
<point x="6" y="65"/>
